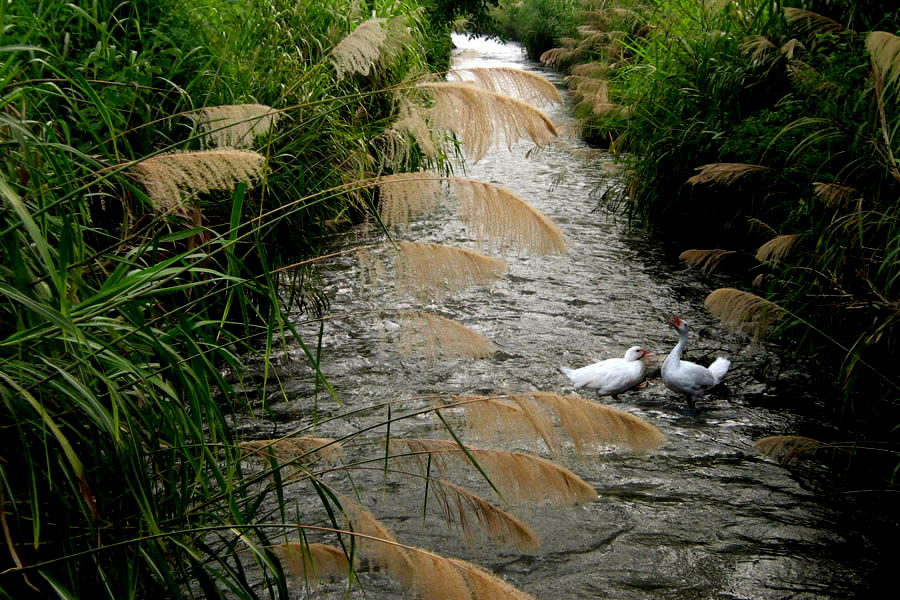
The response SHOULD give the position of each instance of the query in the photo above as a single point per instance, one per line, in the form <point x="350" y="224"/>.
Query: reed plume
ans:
<point x="488" y="418"/>
<point x="811" y="23"/>
<point x="706" y="260"/>
<point x="359" y="50"/>
<point x="587" y="424"/>
<point x="517" y="476"/>
<point x="743" y="311"/>
<point x="405" y="196"/>
<point x="757" y="46"/>
<point x="169" y="178"/>
<point x="459" y="505"/>
<point x="311" y="562"/>
<point x="832" y="193"/>
<point x="592" y="69"/>
<point x="787" y="448"/>
<point x="433" y="336"/>
<point x="492" y="212"/>
<point x="519" y="83"/>
<point x="430" y="271"/>
<point x="410" y="122"/>
<point x="723" y="173"/>
<point x="776" y="248"/>
<point x="425" y="574"/>
<point x="480" y="117"/>
<point x="885" y="50"/>
<point x="287" y="449"/>
<point x="235" y="125"/>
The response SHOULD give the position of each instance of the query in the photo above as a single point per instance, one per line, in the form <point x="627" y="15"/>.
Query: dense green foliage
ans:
<point x="119" y="317"/>
<point x="788" y="101"/>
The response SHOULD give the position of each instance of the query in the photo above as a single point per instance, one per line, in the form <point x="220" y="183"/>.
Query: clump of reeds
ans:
<point x="170" y="178"/>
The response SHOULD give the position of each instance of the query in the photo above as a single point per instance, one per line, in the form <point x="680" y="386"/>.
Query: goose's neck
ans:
<point x="675" y="354"/>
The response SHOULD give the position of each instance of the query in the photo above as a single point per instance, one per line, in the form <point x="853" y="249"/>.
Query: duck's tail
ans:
<point x="719" y="367"/>
<point x="570" y="373"/>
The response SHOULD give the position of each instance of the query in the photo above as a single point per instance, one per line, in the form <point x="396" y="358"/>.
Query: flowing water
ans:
<point x="702" y="517"/>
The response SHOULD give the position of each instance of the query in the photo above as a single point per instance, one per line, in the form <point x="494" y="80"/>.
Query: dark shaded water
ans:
<point x="703" y="517"/>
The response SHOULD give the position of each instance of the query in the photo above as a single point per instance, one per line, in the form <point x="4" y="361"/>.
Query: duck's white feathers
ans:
<point x="611" y="376"/>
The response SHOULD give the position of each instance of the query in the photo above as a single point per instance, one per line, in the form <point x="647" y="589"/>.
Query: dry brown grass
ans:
<point x="833" y="193"/>
<point x="885" y="50"/>
<point x="306" y="449"/>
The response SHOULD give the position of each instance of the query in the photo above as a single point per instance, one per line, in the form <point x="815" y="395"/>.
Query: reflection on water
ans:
<point x="703" y="517"/>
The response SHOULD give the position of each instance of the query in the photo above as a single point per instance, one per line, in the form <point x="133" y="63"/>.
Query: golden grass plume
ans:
<point x="429" y="271"/>
<point x="495" y="215"/>
<point x="776" y="248"/>
<point x="460" y="506"/>
<point x="170" y="178"/>
<point x="591" y="69"/>
<point x="706" y="260"/>
<point x="723" y="173"/>
<point x="561" y="57"/>
<point x="757" y="46"/>
<point x="833" y="193"/>
<point x="480" y="117"/>
<point x="425" y="574"/>
<point x="811" y="23"/>
<point x="786" y="448"/>
<point x="519" y="83"/>
<point x="885" y="50"/>
<point x="743" y="311"/>
<point x="433" y="336"/>
<point x="405" y="196"/>
<point x="588" y="425"/>
<point x="235" y="125"/>
<point x="311" y="562"/>
<point x="518" y="476"/>
<point x="290" y="448"/>
<point x="360" y="49"/>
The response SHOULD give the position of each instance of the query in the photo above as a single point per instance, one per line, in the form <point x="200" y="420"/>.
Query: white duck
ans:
<point x="689" y="378"/>
<point x="612" y="376"/>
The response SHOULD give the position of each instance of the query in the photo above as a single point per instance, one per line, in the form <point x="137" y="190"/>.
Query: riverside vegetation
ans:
<point x="172" y="175"/>
<point x="759" y="138"/>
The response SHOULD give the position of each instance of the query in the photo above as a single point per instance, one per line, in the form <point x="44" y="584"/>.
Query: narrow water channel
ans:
<point x="702" y="517"/>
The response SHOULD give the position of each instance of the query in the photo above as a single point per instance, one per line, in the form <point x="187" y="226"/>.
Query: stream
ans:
<point x="704" y="516"/>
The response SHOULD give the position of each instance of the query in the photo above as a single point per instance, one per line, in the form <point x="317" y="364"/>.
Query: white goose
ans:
<point x="612" y="376"/>
<point x="686" y="377"/>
